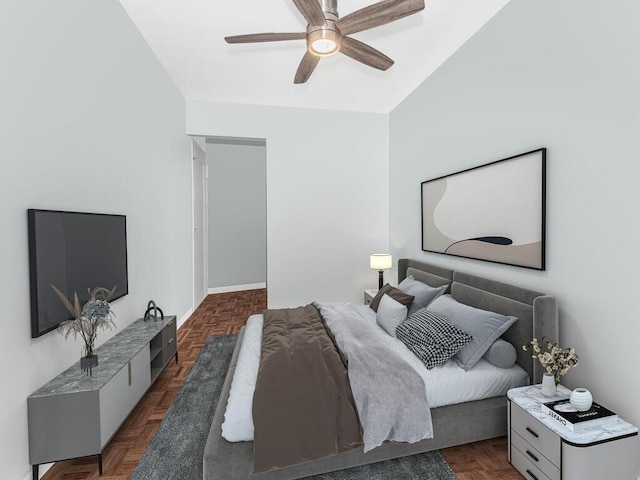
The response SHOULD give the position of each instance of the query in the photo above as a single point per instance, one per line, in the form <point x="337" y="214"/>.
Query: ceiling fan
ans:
<point x="327" y="33"/>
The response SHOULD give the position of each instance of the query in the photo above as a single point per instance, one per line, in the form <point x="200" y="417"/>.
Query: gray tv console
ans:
<point x="76" y="415"/>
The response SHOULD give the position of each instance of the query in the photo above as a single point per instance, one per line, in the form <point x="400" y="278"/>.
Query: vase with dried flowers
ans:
<point x="556" y="360"/>
<point x="95" y="315"/>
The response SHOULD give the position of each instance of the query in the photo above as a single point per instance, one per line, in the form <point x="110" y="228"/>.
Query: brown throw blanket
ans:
<point x="302" y="406"/>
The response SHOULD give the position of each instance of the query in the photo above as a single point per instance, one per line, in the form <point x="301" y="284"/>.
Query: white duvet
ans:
<point x="446" y="384"/>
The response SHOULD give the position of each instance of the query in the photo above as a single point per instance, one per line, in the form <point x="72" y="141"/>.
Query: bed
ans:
<point x="452" y="424"/>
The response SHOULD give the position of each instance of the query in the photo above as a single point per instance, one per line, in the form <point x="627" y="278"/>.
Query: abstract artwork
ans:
<point x="494" y="212"/>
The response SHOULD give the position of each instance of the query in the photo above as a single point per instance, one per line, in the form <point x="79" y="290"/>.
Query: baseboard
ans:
<point x="237" y="288"/>
<point x="43" y="469"/>
<point x="184" y="317"/>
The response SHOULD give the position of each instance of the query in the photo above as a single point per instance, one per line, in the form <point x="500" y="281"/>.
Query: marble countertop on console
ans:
<point x="530" y="399"/>
<point x="113" y="355"/>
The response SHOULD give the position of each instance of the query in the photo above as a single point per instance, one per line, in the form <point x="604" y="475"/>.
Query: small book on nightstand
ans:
<point x="562" y="413"/>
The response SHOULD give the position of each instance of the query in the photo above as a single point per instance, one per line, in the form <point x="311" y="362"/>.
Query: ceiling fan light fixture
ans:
<point x="323" y="42"/>
<point x="327" y="33"/>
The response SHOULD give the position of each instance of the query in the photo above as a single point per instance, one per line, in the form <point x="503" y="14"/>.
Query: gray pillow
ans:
<point x="484" y="326"/>
<point x="431" y="337"/>
<point x="423" y="293"/>
<point x="390" y="314"/>
<point x="501" y="354"/>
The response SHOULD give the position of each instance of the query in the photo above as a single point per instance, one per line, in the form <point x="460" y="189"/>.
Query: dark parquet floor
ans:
<point x="222" y="314"/>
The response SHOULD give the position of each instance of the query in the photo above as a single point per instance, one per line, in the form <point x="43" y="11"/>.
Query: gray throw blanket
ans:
<point x="389" y="395"/>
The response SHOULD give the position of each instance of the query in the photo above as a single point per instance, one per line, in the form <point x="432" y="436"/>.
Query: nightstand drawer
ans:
<point x="540" y="437"/>
<point x="534" y="456"/>
<point x="526" y="467"/>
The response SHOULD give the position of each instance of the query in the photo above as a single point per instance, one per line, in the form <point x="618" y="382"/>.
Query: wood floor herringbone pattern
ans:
<point x="222" y="314"/>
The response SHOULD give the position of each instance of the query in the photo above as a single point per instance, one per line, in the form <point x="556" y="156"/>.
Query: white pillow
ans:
<point x="390" y="314"/>
<point x="423" y="294"/>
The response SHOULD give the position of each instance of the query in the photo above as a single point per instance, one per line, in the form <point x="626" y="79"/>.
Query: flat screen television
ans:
<point x="75" y="252"/>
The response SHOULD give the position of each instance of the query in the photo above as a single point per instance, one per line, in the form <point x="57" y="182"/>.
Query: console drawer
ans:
<point x="169" y="342"/>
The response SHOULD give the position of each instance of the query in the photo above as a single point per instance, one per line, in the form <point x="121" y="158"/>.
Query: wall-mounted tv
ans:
<point x="75" y="252"/>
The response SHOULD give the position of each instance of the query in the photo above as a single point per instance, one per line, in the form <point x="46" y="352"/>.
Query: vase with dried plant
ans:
<point x="95" y="315"/>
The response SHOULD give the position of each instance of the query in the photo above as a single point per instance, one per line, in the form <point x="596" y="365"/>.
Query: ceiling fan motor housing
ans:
<point x="324" y="40"/>
<point x="331" y="7"/>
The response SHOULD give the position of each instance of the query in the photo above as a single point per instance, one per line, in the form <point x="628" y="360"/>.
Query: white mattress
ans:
<point x="446" y="384"/>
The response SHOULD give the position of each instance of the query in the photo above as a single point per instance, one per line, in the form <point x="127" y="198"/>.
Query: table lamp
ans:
<point x="380" y="262"/>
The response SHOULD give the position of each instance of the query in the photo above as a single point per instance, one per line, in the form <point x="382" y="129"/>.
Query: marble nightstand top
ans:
<point x="530" y="399"/>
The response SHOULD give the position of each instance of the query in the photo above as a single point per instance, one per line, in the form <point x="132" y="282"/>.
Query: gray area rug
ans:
<point x="175" y="452"/>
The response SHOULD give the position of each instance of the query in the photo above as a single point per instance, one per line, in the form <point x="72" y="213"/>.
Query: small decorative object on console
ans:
<point x="581" y="399"/>
<point x="94" y="315"/>
<point x="563" y="413"/>
<point x="556" y="361"/>
<point x="151" y="313"/>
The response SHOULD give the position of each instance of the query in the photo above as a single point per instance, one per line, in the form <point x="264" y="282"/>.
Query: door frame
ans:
<point x="199" y="163"/>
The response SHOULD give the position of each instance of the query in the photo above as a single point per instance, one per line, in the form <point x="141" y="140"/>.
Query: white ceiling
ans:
<point x="188" y="38"/>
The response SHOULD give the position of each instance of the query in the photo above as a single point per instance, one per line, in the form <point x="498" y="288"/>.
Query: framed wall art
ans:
<point x="493" y="212"/>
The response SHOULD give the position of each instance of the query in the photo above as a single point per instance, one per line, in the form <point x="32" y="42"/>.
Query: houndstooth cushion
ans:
<point x="431" y="337"/>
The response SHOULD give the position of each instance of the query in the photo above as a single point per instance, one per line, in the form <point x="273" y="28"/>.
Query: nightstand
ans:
<point x="369" y="293"/>
<point x="542" y="450"/>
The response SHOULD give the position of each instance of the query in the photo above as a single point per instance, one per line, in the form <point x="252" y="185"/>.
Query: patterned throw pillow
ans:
<point x="432" y="338"/>
<point x="485" y="327"/>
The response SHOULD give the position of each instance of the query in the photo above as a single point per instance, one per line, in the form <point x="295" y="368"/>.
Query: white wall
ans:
<point x="562" y="75"/>
<point x="90" y="122"/>
<point x="237" y="212"/>
<point x="327" y="202"/>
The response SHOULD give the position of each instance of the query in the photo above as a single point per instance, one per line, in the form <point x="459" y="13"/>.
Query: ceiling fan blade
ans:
<point x="306" y="67"/>
<point x="311" y="11"/>
<point x="378" y="14"/>
<point x="363" y="53"/>
<point x="265" y="37"/>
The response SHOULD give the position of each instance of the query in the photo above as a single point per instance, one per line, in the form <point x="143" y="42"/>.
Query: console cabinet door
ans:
<point x="122" y="393"/>
<point x="140" y="376"/>
<point x="113" y="406"/>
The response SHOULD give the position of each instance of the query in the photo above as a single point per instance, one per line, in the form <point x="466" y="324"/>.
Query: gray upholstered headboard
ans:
<point x="537" y="312"/>
<point x="424" y="272"/>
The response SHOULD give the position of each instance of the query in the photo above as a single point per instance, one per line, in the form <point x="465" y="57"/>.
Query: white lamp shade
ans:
<point x="380" y="261"/>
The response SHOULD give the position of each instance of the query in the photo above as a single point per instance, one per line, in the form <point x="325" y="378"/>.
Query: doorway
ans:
<point x="237" y="214"/>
